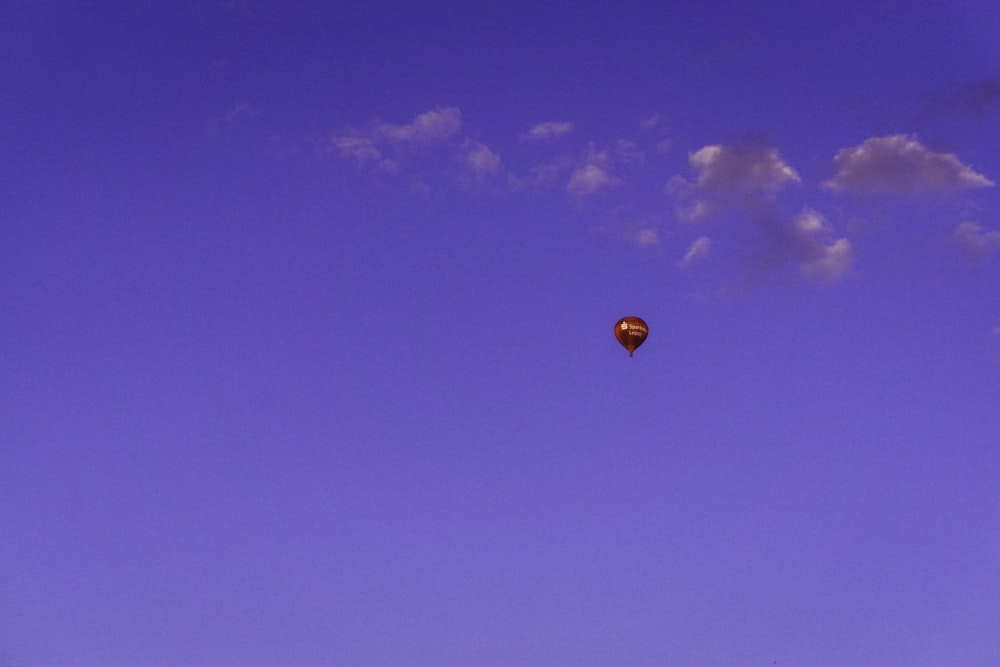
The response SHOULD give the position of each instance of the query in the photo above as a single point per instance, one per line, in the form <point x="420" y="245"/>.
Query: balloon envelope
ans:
<point x="631" y="332"/>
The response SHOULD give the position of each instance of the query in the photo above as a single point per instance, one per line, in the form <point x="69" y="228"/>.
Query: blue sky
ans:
<point x="307" y="352"/>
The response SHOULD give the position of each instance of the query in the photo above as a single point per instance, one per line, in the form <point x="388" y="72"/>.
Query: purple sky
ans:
<point x="306" y="349"/>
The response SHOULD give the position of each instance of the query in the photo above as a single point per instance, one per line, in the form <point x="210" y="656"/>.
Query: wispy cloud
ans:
<point x="549" y="130"/>
<point x="650" y="122"/>
<point x="643" y="236"/>
<point x="697" y="251"/>
<point x="975" y="241"/>
<point x="899" y="164"/>
<point x="361" y="148"/>
<point x="627" y="151"/>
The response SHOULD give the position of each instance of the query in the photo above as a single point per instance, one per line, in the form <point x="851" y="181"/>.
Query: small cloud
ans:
<point x="698" y="251"/>
<point x="551" y="170"/>
<point x="975" y="241"/>
<point x="899" y="164"/>
<point x="363" y="149"/>
<point x="819" y="257"/>
<point x="833" y="261"/>
<point x="664" y="146"/>
<point x="426" y="128"/>
<point x="588" y="179"/>
<point x="479" y="159"/>
<point x="644" y="236"/>
<point x="592" y="175"/>
<point x="627" y="151"/>
<point x="805" y="241"/>
<point x="548" y="131"/>
<point x="650" y="122"/>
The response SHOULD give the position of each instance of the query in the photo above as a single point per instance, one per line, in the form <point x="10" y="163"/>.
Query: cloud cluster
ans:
<point x="899" y="164"/>
<point x="741" y="189"/>
<point x="746" y="180"/>
<point x="380" y="143"/>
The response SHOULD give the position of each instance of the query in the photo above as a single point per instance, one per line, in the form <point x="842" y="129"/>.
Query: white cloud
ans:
<point x="426" y="128"/>
<point x="549" y="130"/>
<point x="592" y="174"/>
<point x="833" y="261"/>
<point x="820" y="258"/>
<point x="975" y="241"/>
<point x="729" y="170"/>
<point x="588" y="179"/>
<point x="727" y="175"/>
<point x="697" y="251"/>
<point x="479" y="159"/>
<point x="902" y="165"/>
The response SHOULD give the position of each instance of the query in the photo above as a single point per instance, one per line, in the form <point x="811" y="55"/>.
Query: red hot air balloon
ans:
<point x="631" y="332"/>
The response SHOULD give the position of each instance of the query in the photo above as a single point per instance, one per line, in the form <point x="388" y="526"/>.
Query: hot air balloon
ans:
<point x="631" y="332"/>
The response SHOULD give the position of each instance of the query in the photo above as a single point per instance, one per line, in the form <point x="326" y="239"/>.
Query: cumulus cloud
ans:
<point x="729" y="174"/>
<point x="819" y="256"/>
<point x="428" y="127"/>
<point x="588" y="179"/>
<point x="697" y="251"/>
<point x="900" y="164"/>
<point x="592" y="175"/>
<point x="479" y="159"/>
<point x="732" y="169"/>
<point x="975" y="241"/>
<point x="806" y="241"/>
<point x="549" y="130"/>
